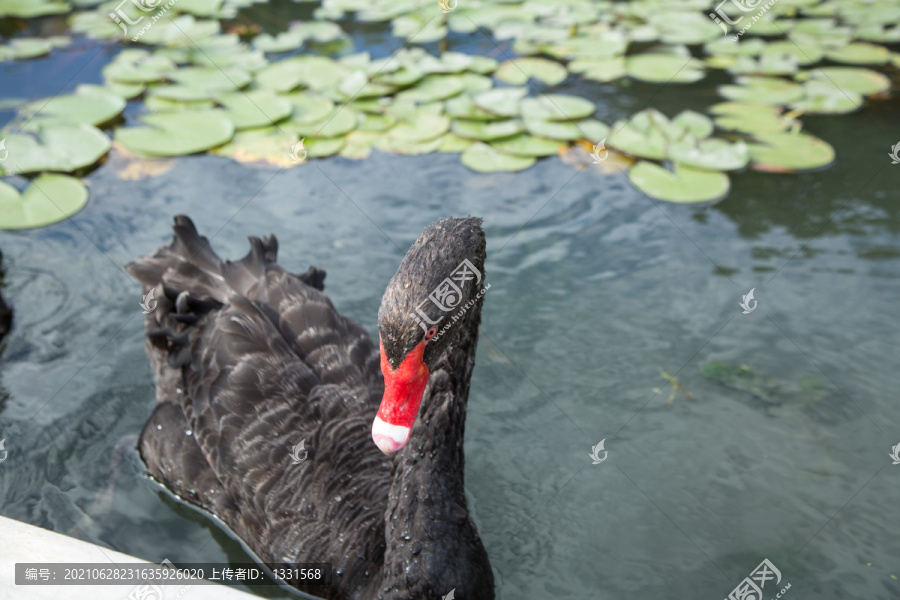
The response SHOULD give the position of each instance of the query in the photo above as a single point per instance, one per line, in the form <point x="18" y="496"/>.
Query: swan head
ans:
<point x="422" y="312"/>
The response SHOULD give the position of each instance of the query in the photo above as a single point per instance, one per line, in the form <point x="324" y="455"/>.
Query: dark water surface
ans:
<point x="595" y="289"/>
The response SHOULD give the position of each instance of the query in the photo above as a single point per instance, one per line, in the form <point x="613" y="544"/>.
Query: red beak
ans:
<point x="403" y="389"/>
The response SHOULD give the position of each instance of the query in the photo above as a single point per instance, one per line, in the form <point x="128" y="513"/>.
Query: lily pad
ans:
<point x="138" y="66"/>
<point x="749" y="117"/>
<point x="487" y="130"/>
<point x="434" y="87"/>
<point x="486" y="159"/>
<point x="422" y="127"/>
<point x="683" y="185"/>
<point x="628" y="137"/>
<point x="528" y="145"/>
<point x="557" y="107"/>
<point x="664" y="68"/>
<point x="211" y="79"/>
<point x="554" y="130"/>
<point x="48" y="199"/>
<point x="91" y="107"/>
<point x="711" y="154"/>
<point x="463" y="107"/>
<point x="503" y="102"/>
<point x="58" y="146"/>
<point x="254" y="109"/>
<point x="852" y="79"/>
<point x="338" y="122"/>
<point x="763" y="90"/>
<point x="177" y="133"/>
<point x="520" y="70"/>
<point x="599" y="69"/>
<point x="29" y="9"/>
<point x="309" y="108"/>
<point x="264" y="145"/>
<point x="823" y="97"/>
<point x="320" y="147"/>
<point x="789" y="152"/>
<point x="860" y="53"/>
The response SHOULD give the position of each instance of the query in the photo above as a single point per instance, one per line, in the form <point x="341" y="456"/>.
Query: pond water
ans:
<point x="777" y="451"/>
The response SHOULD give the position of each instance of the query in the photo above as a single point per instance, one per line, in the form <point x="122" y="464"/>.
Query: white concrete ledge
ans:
<point x="23" y="543"/>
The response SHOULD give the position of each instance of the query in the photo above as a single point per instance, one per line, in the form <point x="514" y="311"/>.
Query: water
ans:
<point x="594" y="290"/>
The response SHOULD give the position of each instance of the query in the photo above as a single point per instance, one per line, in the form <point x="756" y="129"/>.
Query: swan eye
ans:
<point x="431" y="333"/>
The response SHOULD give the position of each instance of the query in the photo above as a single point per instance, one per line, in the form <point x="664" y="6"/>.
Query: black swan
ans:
<point x="250" y="360"/>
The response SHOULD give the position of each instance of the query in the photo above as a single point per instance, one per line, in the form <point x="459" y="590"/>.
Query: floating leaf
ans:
<point x="749" y="117"/>
<point x="211" y="79"/>
<point x="91" y="106"/>
<point x="699" y="126"/>
<point x="463" y="107"/>
<point x="359" y="144"/>
<point x="453" y="143"/>
<point x="683" y="185"/>
<point x="256" y="108"/>
<point x="336" y="123"/>
<point x="395" y="145"/>
<point x="177" y="133"/>
<point x="29" y="9"/>
<point x="557" y="107"/>
<point x="309" y="108"/>
<point x="822" y="96"/>
<point x="48" y="199"/>
<point x="631" y="139"/>
<point x="788" y="152"/>
<point x="712" y="154"/>
<point x="59" y="146"/>
<point x="763" y="90"/>
<point x="434" y="87"/>
<point x="421" y="127"/>
<point x="487" y="130"/>
<point x="138" y="66"/>
<point x="599" y="69"/>
<point x="503" y="102"/>
<point x="555" y="130"/>
<point x="664" y="68"/>
<point x="320" y="147"/>
<point x="520" y="70"/>
<point x="528" y="145"/>
<point x="852" y="79"/>
<point x="485" y="159"/>
<point x="860" y="53"/>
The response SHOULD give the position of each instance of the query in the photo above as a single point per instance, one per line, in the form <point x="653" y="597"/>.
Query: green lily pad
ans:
<point x="320" y="147"/>
<point x="396" y="145"/>
<point x="520" y="70"/>
<point x="503" y="102"/>
<point x="309" y="108"/>
<point x="463" y="107"/>
<point x="375" y="123"/>
<point x="434" y="87"/>
<point x="852" y="79"/>
<point x="804" y="50"/>
<point x="766" y="64"/>
<point x="177" y="133"/>
<point x="683" y="185"/>
<point x="487" y="130"/>
<point x="126" y="91"/>
<point x="29" y="9"/>
<point x="554" y="130"/>
<point x="421" y="127"/>
<point x="629" y="137"/>
<point x="599" y="69"/>
<point x="698" y="125"/>
<point x="359" y="144"/>
<point x="789" y="152"/>
<point x="664" y="68"/>
<point x="711" y="154"/>
<point x="285" y="41"/>
<point x="485" y="159"/>
<point x="339" y="121"/>
<point x="860" y="53"/>
<point x="763" y="90"/>
<point x="557" y="107"/>
<point x="91" y="107"/>
<point x="749" y="117"/>
<point x="592" y="130"/>
<point x="48" y="199"/>
<point x="314" y="72"/>
<point x="256" y="108"/>
<point x="528" y="145"/>
<point x="453" y="143"/>
<point x="823" y="97"/>
<point x="264" y="145"/>
<point x="58" y="146"/>
<point x="138" y="66"/>
<point x="211" y="78"/>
